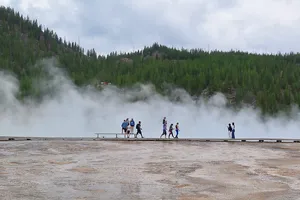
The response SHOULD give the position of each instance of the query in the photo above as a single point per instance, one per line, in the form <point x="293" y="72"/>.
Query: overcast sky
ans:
<point x="115" y="25"/>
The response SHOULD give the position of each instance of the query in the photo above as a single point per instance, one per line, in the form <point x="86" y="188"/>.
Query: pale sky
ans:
<point x="250" y="25"/>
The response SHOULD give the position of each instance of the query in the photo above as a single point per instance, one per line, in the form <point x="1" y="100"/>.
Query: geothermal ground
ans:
<point x="77" y="170"/>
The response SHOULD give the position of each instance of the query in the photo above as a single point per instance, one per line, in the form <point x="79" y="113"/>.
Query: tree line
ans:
<point x="270" y="82"/>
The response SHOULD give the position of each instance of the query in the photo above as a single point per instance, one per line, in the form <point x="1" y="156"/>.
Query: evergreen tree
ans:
<point x="270" y="82"/>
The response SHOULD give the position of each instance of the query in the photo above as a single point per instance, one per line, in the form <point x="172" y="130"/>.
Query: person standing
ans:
<point x="229" y="130"/>
<point x="132" y="124"/>
<point x="233" y="131"/>
<point x="139" y="129"/>
<point x="177" y="129"/>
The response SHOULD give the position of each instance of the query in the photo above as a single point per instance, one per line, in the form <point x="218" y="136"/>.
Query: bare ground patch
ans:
<point x="62" y="162"/>
<point x="83" y="170"/>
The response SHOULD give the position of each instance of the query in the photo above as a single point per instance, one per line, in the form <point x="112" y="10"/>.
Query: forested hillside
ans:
<point x="268" y="81"/>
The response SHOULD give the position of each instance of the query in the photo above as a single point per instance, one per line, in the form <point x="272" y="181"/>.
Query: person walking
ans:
<point x="171" y="131"/>
<point x="139" y="129"/>
<point x="164" y="129"/>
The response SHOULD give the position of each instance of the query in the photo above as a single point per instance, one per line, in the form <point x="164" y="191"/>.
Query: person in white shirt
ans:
<point x="233" y="131"/>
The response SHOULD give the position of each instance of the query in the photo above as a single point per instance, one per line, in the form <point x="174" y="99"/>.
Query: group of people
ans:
<point x="171" y="128"/>
<point x="128" y="126"/>
<point x="231" y="130"/>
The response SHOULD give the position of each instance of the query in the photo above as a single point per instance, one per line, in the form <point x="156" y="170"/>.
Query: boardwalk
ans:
<point x="283" y="140"/>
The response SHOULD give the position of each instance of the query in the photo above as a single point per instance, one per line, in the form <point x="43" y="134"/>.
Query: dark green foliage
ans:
<point x="268" y="81"/>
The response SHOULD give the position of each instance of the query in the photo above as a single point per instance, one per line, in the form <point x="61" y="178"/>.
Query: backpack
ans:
<point x="132" y="123"/>
<point x="230" y="128"/>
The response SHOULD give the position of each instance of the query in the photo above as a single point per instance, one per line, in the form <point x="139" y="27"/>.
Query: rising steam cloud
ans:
<point x="69" y="111"/>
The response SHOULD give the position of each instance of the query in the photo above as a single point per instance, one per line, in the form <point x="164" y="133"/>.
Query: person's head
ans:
<point x="171" y="124"/>
<point x="177" y="123"/>
<point x="124" y="120"/>
<point x="232" y="123"/>
<point x="131" y="119"/>
<point x="164" y="117"/>
<point x="140" y="122"/>
<point x="229" y="124"/>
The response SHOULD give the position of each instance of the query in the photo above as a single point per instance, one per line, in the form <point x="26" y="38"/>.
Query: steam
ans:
<point x="68" y="111"/>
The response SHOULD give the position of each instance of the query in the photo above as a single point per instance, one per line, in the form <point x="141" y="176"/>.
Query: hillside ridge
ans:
<point x="270" y="82"/>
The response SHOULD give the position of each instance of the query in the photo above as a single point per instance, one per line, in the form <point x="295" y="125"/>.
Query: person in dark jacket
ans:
<point x="229" y="130"/>
<point x="233" y="131"/>
<point x="139" y="129"/>
<point x="171" y="131"/>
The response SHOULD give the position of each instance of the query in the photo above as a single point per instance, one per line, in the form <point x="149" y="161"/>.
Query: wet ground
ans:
<point x="79" y="170"/>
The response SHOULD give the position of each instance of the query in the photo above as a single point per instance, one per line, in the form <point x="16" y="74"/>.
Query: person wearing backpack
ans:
<point x="132" y="124"/>
<point x="229" y="130"/>
<point x="139" y="130"/>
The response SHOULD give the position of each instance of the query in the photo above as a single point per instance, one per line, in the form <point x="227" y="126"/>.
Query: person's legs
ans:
<point x="176" y="134"/>
<point x="131" y="129"/>
<point x="139" y="132"/>
<point x="233" y="136"/>
<point x="164" y="133"/>
<point x="161" y="135"/>
<point x="172" y="134"/>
